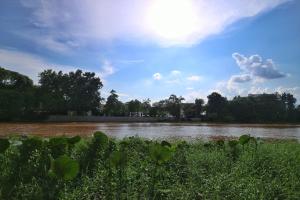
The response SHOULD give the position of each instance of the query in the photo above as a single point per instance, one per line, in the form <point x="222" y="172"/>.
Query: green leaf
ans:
<point x="65" y="167"/>
<point x="74" y="140"/>
<point x="4" y="145"/>
<point x="244" y="139"/>
<point x="101" y="138"/>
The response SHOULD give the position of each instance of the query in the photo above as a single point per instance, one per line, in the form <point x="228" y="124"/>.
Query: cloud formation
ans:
<point x="31" y="65"/>
<point x="194" y="78"/>
<point x="107" y="69"/>
<point x="256" y="67"/>
<point x="166" y="22"/>
<point x="157" y="76"/>
<point x="28" y="64"/>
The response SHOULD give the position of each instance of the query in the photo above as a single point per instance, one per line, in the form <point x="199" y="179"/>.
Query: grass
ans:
<point x="134" y="168"/>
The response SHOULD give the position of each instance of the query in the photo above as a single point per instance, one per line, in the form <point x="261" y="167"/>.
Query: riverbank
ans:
<point x="134" y="168"/>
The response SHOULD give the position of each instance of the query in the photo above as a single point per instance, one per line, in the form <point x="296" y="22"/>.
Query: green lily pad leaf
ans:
<point x="74" y="140"/>
<point x="244" y="139"/>
<point x="4" y="145"/>
<point x="65" y="167"/>
<point x="101" y="138"/>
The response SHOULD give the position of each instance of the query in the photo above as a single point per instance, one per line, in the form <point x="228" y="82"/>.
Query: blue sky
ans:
<point x="151" y="49"/>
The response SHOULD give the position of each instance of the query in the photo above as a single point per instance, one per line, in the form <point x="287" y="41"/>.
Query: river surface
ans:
<point x="154" y="130"/>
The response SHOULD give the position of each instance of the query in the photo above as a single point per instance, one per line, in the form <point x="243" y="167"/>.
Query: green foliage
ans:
<point x="58" y="146"/>
<point x="244" y="139"/>
<point x="220" y="143"/>
<point x="100" y="138"/>
<point x="65" y="168"/>
<point x="74" y="140"/>
<point x="4" y="144"/>
<point x="118" y="158"/>
<point x="134" y="168"/>
<point x="160" y="154"/>
<point x="233" y="143"/>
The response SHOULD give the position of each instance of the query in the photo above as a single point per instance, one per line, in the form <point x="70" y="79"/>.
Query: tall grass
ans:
<point x="133" y="168"/>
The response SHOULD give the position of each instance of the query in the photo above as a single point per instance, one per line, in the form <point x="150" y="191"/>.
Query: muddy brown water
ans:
<point x="153" y="130"/>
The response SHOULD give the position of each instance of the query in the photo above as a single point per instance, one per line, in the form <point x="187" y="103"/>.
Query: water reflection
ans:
<point x="152" y="130"/>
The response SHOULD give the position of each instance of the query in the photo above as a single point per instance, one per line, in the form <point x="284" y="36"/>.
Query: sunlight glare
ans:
<point x="172" y="20"/>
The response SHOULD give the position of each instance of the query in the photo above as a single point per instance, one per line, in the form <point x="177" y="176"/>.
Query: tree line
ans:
<point x="78" y="92"/>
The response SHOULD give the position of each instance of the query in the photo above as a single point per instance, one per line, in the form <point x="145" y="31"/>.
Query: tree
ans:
<point x="134" y="106"/>
<point x="83" y="91"/>
<point x="289" y="102"/>
<point x="113" y="106"/>
<point x="198" y="107"/>
<point x="242" y="109"/>
<point x="174" y="105"/>
<point x="75" y="91"/>
<point x="146" y="106"/>
<point x="189" y="110"/>
<point x="216" y="106"/>
<point x="14" y="80"/>
<point x="17" y="96"/>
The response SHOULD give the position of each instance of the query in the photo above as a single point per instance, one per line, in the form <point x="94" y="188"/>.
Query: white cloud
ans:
<point x="240" y="78"/>
<point x="175" y="73"/>
<point x="195" y="94"/>
<point x="31" y="65"/>
<point x="194" y="78"/>
<point x="28" y="64"/>
<point x="167" y="22"/>
<point x="107" y="69"/>
<point x="254" y="70"/>
<point x="157" y="76"/>
<point x="256" y="67"/>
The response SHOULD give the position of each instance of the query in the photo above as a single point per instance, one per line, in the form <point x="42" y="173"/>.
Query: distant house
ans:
<point x="136" y="114"/>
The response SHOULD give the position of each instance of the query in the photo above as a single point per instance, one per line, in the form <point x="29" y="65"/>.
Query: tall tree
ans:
<point x="113" y="106"/>
<point x="75" y="91"/>
<point x="174" y="105"/>
<point x="134" y="106"/>
<point x="199" y="104"/>
<point x="17" y="96"/>
<point x="216" y="106"/>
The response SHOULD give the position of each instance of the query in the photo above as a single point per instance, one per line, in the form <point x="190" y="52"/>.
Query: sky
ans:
<point x="154" y="48"/>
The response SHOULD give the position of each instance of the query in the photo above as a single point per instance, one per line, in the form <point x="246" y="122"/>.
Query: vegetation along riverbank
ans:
<point x="76" y="96"/>
<point x="133" y="168"/>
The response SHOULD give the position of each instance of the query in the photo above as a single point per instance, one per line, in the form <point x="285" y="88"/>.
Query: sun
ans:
<point x="172" y="20"/>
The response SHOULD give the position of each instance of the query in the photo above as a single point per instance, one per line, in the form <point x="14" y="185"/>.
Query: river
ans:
<point x="154" y="130"/>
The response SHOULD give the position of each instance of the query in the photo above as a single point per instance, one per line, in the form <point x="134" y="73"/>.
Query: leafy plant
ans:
<point x="4" y="145"/>
<point x="74" y="140"/>
<point x="64" y="168"/>
<point x="100" y="138"/>
<point x="58" y="146"/>
<point x="118" y="159"/>
<point x="244" y="139"/>
<point x="160" y="155"/>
